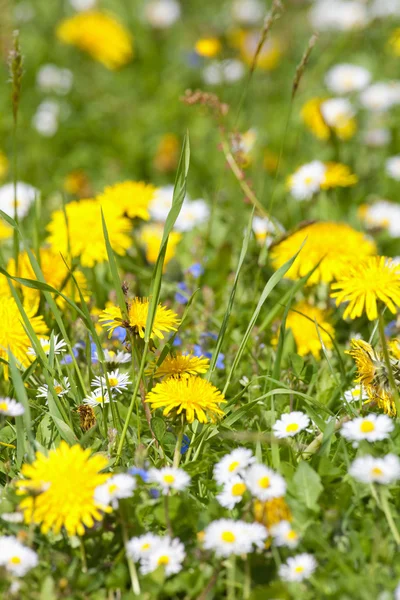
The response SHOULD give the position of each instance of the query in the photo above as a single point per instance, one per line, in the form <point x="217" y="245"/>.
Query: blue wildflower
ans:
<point x="180" y="298"/>
<point x="140" y="472"/>
<point x="185" y="444"/>
<point x="196" y="270"/>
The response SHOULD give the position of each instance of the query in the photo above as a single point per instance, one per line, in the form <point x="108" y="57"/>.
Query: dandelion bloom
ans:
<point x="165" y="319"/>
<point x="323" y="118"/>
<point x="151" y="236"/>
<point x="85" y="231"/>
<point x="100" y="35"/>
<point x="306" y="322"/>
<point x="193" y="397"/>
<point x="312" y="177"/>
<point x="336" y="245"/>
<point x="12" y="331"/>
<point x="269" y="54"/>
<point x="63" y="485"/>
<point x="372" y="374"/>
<point x="272" y="512"/>
<point x="377" y="278"/>
<point x="181" y="364"/>
<point x="131" y="198"/>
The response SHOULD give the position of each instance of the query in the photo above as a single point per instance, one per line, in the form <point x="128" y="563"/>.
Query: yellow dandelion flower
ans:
<point x="336" y="245"/>
<point x="12" y="331"/>
<point x="364" y="284"/>
<point x="165" y="319"/>
<point x="272" y="511"/>
<point x="394" y="42"/>
<point x="5" y="231"/>
<point x="85" y="231"/>
<point x="151" y="236"/>
<point x="394" y="346"/>
<point x="181" y="364"/>
<point x="366" y="361"/>
<point x="301" y="321"/>
<point x="131" y="198"/>
<point x="313" y="118"/>
<point x="55" y="273"/>
<point x="338" y="175"/>
<point x="100" y="35"/>
<point x="270" y="54"/>
<point x="63" y="483"/>
<point x="193" y="397"/>
<point x="208" y="47"/>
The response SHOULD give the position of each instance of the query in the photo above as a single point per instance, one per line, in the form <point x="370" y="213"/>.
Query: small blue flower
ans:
<point x="119" y="334"/>
<point x="154" y="493"/>
<point x="390" y="328"/>
<point x="185" y="444"/>
<point x="140" y="472"/>
<point x="209" y="334"/>
<point x="196" y="270"/>
<point x="177" y="341"/>
<point x="180" y="298"/>
<point x="197" y="350"/>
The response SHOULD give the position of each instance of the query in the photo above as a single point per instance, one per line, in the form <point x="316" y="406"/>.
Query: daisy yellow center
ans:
<point x="234" y="465"/>
<point x="169" y="479"/>
<point x="292" y="535"/>
<point x="299" y="569"/>
<point x="112" y="488"/>
<point x="163" y="560"/>
<point x="3" y="406"/>
<point x="15" y="560"/>
<point x="99" y="399"/>
<point x="145" y="546"/>
<point x="308" y="180"/>
<point x="238" y="489"/>
<point x="113" y="381"/>
<point x="58" y="389"/>
<point x="367" y="427"/>
<point x="264" y="482"/>
<point x="67" y="479"/>
<point x="111" y="353"/>
<point x="228" y="537"/>
<point x="292" y="427"/>
<point x="377" y="472"/>
<point x="46" y="347"/>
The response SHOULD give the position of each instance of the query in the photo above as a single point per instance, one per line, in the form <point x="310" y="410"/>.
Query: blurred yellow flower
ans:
<point x="191" y="396"/>
<point x="312" y="116"/>
<point x="181" y="364"/>
<point x="301" y="321"/>
<point x="5" y="231"/>
<point x="165" y="319"/>
<point x="131" y="198"/>
<point x="76" y="183"/>
<point x="338" y="175"/>
<point x="394" y="42"/>
<point x="3" y="165"/>
<point x="272" y="511"/>
<point x="208" y="47"/>
<point x="365" y="283"/>
<point x="336" y="245"/>
<point x="84" y="233"/>
<point x="151" y="236"/>
<point x="271" y="50"/>
<point x="167" y="154"/>
<point x="62" y="486"/>
<point x="100" y="35"/>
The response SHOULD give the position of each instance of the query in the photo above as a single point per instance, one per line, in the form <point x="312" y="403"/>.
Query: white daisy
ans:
<point x="11" y="408"/>
<point x="264" y="483"/>
<point x="248" y="12"/>
<point x="381" y="96"/>
<point x="15" y="517"/>
<point x="26" y="195"/>
<point x="192" y="214"/>
<point x="298" y="568"/>
<point x="139" y="547"/>
<point x="345" y="78"/>
<point x="371" y="428"/>
<point x="60" y="388"/>
<point x="290" y="424"/>
<point x="161" y="203"/>
<point x="385" y="8"/>
<point x="284" y="535"/>
<point x="59" y="346"/>
<point x="226" y="537"/>
<point x="383" y="214"/>
<point x="265" y="230"/>
<point x="115" y="358"/>
<point x="170" y="478"/>
<point x="162" y="14"/>
<point x="393" y="167"/>
<point x="117" y="487"/>
<point x="234" y="463"/>
<point x="356" y="394"/>
<point x="377" y="137"/>
<point x="168" y="553"/>
<point x="232" y="493"/>
<point x="97" y="398"/>
<point x="369" y="469"/>
<point x="340" y="15"/>
<point x="117" y="381"/>
<point x="45" y="120"/>
<point x="218" y="72"/>
<point x="51" y="78"/>
<point x="307" y="180"/>
<point x="16" y="558"/>
<point x="81" y="5"/>
<point x="337" y="111"/>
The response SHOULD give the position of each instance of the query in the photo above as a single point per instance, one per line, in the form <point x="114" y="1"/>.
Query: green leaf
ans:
<point x="159" y="428"/>
<point x="114" y="270"/>
<point x="306" y="485"/>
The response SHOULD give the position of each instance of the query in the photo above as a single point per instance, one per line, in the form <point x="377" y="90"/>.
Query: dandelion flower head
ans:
<point x="132" y="198"/>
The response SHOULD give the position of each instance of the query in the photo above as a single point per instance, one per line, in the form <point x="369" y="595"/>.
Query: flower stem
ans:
<point x="230" y="580"/>
<point x="167" y="517"/>
<point x="178" y="446"/>
<point x="389" y="517"/>
<point x="396" y="398"/>
<point x="83" y="555"/>
<point x="131" y="565"/>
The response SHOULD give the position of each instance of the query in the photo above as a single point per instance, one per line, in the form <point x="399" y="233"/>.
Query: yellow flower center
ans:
<point x="264" y="482"/>
<point x="169" y="479"/>
<point x="99" y="399"/>
<point x="3" y="406"/>
<point x="46" y="347"/>
<point x="58" y="389"/>
<point x="367" y="427"/>
<point x="163" y="560"/>
<point x="377" y="472"/>
<point x="308" y="180"/>
<point x="228" y="536"/>
<point x="292" y="535"/>
<point x="292" y="427"/>
<point x="15" y="560"/>
<point x="299" y="569"/>
<point x="238" y="489"/>
<point x="112" y="488"/>
<point x="145" y="546"/>
<point x="113" y="381"/>
<point x="234" y="465"/>
<point x="111" y="353"/>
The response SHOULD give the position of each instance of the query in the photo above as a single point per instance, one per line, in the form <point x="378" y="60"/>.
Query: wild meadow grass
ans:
<point x="199" y="300"/>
